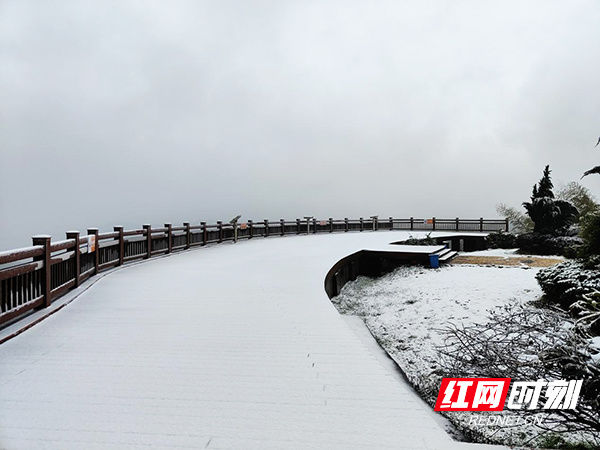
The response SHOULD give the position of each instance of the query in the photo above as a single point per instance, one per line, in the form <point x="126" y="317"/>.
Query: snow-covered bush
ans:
<point x="527" y="343"/>
<point x="575" y="285"/>
<point x="567" y="282"/>
<point x="587" y="312"/>
<point x="501" y="239"/>
<point x="568" y="246"/>
<point x="544" y="244"/>
<point x="427" y="240"/>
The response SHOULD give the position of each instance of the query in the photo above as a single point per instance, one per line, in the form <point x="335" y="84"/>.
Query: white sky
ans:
<point x="133" y="112"/>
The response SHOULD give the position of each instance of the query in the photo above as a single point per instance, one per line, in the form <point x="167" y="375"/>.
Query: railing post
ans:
<point x="282" y="226"/>
<point x="44" y="241"/>
<point x="433" y="222"/>
<point x="266" y="222"/>
<point x="391" y="223"/>
<point x="204" y="233"/>
<point x="457" y="221"/>
<point x="481" y="224"/>
<point x="76" y="254"/>
<point x="345" y="224"/>
<point x="250" y="229"/>
<point x="119" y="229"/>
<point x="148" y="229"/>
<point x="314" y="221"/>
<point x="220" y="230"/>
<point x="94" y="232"/>
<point x="362" y="224"/>
<point x="169" y="237"/>
<point x="298" y="226"/>
<point x="330" y="225"/>
<point x="187" y="235"/>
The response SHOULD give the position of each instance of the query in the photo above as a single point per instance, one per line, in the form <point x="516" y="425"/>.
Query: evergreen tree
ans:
<point x="549" y="216"/>
<point x="545" y="185"/>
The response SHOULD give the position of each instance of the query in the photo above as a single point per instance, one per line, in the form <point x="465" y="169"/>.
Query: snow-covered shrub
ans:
<point x="567" y="282"/>
<point x="575" y="285"/>
<point x="513" y="341"/>
<point x="502" y="239"/>
<point x="568" y="246"/>
<point x="528" y="343"/>
<point x="587" y="312"/>
<point x="544" y="244"/>
<point x="534" y="243"/>
<point x="427" y="240"/>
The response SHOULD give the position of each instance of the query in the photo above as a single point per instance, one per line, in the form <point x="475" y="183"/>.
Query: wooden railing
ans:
<point x="33" y="277"/>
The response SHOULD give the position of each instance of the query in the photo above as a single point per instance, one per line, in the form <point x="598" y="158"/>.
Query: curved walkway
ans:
<point x="235" y="346"/>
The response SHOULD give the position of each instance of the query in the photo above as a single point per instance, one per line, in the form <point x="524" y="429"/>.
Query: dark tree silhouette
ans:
<point x="549" y="216"/>
<point x="593" y="169"/>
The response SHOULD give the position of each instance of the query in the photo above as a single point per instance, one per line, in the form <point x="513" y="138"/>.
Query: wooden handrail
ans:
<point x="33" y="277"/>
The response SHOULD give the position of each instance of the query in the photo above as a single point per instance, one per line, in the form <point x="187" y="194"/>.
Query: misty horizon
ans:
<point x="125" y="113"/>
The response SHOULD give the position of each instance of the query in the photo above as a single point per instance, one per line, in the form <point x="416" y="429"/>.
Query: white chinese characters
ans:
<point x="560" y="394"/>
<point x="489" y="393"/>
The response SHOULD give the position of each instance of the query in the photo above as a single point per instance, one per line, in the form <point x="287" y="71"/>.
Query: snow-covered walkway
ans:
<point x="230" y="346"/>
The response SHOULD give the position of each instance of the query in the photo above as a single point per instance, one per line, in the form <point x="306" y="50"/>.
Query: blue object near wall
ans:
<point x="434" y="261"/>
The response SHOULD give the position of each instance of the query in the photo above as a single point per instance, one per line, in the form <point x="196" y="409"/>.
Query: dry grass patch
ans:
<point x="529" y="261"/>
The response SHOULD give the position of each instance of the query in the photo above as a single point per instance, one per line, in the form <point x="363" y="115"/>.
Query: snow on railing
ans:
<point x="32" y="277"/>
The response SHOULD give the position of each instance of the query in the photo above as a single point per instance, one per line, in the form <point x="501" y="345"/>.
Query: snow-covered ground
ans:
<point x="228" y="346"/>
<point x="409" y="310"/>
<point x="406" y="309"/>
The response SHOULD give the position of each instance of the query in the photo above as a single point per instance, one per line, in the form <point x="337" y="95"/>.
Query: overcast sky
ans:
<point x="134" y="112"/>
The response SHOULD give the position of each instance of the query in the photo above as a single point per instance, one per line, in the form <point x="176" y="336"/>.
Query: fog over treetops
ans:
<point x="132" y="112"/>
